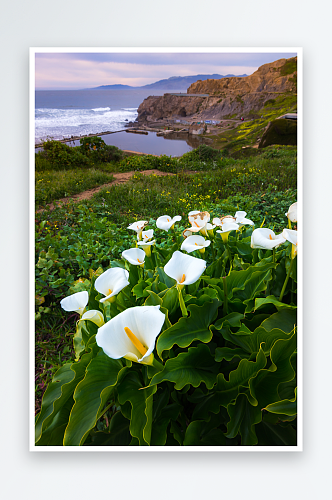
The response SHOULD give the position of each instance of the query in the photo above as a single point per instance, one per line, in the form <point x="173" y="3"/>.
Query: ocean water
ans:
<point x="60" y="114"/>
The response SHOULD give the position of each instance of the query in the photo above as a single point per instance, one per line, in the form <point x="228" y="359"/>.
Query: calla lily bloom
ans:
<point x="226" y="228"/>
<point x="240" y="218"/>
<point x="187" y="232"/>
<point x="132" y="334"/>
<point x="166" y="222"/>
<point x="265" y="238"/>
<point x="146" y="246"/>
<point x="111" y="282"/>
<point x="185" y="269"/>
<point x="94" y="316"/>
<point x="198" y="219"/>
<point x="191" y="230"/>
<point x="220" y="221"/>
<point x="135" y="256"/>
<point x="195" y="242"/>
<point x="138" y="227"/>
<point x="76" y="302"/>
<point x="292" y="212"/>
<point x="147" y="235"/>
<point x="291" y="236"/>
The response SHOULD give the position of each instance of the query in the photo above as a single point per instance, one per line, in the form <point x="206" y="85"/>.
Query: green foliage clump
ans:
<point x="61" y="156"/>
<point x="203" y="152"/>
<point x="289" y="67"/>
<point x="92" y="150"/>
<point x="99" y="152"/>
<point x="269" y="102"/>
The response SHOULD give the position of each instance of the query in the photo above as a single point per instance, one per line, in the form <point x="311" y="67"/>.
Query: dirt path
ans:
<point x="119" y="178"/>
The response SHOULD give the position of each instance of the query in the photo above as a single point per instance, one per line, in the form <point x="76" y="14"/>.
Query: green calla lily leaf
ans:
<point x="243" y="418"/>
<point x="90" y="396"/>
<point x="277" y="326"/>
<point x="153" y="299"/>
<point x="260" y="302"/>
<point x="141" y="400"/>
<point x="269" y="434"/>
<point x="200" y="433"/>
<point x="192" y="367"/>
<point x="159" y="429"/>
<point x="59" y="391"/>
<point x="227" y="390"/>
<point x="118" y="434"/>
<point x="188" y="329"/>
<point x="228" y="354"/>
<point x="53" y="435"/>
<point x="264" y="387"/>
<point x="283" y="407"/>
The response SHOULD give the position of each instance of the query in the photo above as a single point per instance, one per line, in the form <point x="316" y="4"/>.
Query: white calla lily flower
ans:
<point x="227" y="219"/>
<point x="138" y="227"/>
<point x="166" y="222"/>
<point x="265" y="238"/>
<point x="198" y="220"/>
<point x="185" y="269"/>
<point x="291" y="236"/>
<point x="240" y="218"/>
<point x="187" y="232"/>
<point x="147" y="235"/>
<point x="111" y="282"/>
<point x="195" y="242"/>
<point x="132" y="334"/>
<point x="292" y="212"/>
<point x="226" y="228"/>
<point x="76" y="302"/>
<point x="135" y="256"/>
<point x="94" y="316"/>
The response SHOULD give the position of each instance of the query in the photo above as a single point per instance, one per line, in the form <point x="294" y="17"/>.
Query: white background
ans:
<point x="249" y="475"/>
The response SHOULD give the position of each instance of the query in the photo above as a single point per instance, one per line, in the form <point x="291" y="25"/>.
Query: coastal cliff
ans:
<point x="225" y="98"/>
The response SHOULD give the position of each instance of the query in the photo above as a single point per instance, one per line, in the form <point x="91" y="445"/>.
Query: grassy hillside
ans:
<point x="248" y="132"/>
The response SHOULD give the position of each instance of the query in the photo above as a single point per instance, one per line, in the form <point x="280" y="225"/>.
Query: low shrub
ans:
<point x="58" y="156"/>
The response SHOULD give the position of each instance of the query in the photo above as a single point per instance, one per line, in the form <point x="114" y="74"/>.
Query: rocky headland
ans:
<point x="227" y="98"/>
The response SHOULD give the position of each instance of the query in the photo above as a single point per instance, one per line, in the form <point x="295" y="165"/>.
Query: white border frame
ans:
<point x="33" y="51"/>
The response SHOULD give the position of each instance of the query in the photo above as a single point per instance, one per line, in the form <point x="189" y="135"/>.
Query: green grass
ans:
<point x="53" y="347"/>
<point x="50" y="186"/>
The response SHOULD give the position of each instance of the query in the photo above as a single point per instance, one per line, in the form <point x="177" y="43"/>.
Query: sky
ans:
<point x="68" y="70"/>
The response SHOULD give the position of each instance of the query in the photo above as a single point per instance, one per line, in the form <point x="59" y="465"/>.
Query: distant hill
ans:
<point x="172" y="83"/>
<point x="113" y="87"/>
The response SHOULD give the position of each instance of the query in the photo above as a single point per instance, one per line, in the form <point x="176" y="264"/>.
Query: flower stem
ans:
<point x="272" y="271"/>
<point x="286" y="281"/>
<point x="157" y="365"/>
<point x="229" y="256"/>
<point x="212" y="249"/>
<point x="182" y="304"/>
<point x="225" y="309"/>
<point x="125" y="293"/>
<point x="104" y="411"/>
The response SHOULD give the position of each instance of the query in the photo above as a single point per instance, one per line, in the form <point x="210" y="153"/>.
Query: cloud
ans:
<point x="84" y="70"/>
